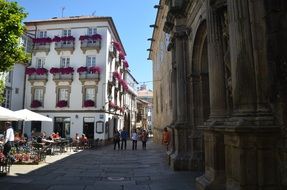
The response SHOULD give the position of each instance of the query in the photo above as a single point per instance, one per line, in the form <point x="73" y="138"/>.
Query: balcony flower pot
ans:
<point x="89" y="103"/>
<point x="42" y="40"/>
<point x="82" y="69"/>
<point x="125" y="63"/>
<point x="95" y="69"/>
<point x="56" y="39"/>
<point x="117" y="45"/>
<point x="36" y="104"/>
<point x="67" y="38"/>
<point x="66" y="70"/>
<point x="121" y="55"/>
<point x="41" y="71"/>
<point x="30" y="71"/>
<point x="62" y="103"/>
<point x="54" y="70"/>
<point x="117" y="75"/>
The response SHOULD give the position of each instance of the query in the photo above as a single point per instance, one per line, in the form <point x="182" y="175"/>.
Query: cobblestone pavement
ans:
<point x="101" y="169"/>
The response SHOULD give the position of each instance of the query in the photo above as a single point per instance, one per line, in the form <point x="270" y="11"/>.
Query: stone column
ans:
<point x="179" y="159"/>
<point x="214" y="176"/>
<point x="250" y="138"/>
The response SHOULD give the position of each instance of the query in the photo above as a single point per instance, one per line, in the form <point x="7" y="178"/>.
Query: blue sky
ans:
<point x="131" y="17"/>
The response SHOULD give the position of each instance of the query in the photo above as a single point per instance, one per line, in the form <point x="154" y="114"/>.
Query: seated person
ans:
<point x="83" y="140"/>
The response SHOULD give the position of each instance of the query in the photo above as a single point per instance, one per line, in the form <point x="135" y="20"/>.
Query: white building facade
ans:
<point x="76" y="76"/>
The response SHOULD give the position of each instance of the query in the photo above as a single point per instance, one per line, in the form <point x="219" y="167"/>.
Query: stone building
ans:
<point x="223" y="76"/>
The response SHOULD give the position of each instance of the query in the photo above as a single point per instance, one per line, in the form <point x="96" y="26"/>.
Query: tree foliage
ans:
<point x="11" y="29"/>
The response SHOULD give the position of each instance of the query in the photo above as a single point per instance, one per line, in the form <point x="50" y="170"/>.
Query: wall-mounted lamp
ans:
<point x="157" y="7"/>
<point x="76" y="116"/>
<point x="150" y="39"/>
<point x="153" y="26"/>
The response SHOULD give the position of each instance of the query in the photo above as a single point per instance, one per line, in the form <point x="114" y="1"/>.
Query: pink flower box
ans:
<point x="117" y="75"/>
<point x="82" y="69"/>
<point x="41" y="71"/>
<point x="36" y="104"/>
<point x="90" y="37"/>
<point x="66" y="70"/>
<point x="125" y="63"/>
<point x="62" y="103"/>
<point x="89" y="103"/>
<point x="42" y="40"/>
<point x="117" y="45"/>
<point x="54" y="70"/>
<point x="121" y="55"/>
<point x="95" y="69"/>
<point x="30" y="71"/>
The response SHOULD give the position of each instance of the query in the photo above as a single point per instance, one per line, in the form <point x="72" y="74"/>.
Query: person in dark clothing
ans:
<point x="124" y="137"/>
<point x="116" y="139"/>
<point x="144" y="136"/>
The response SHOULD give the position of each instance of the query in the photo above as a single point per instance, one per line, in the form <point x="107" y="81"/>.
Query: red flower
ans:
<point x="67" y="70"/>
<point x="126" y="65"/>
<point x="121" y="55"/>
<point x="85" y="37"/>
<point x="89" y="103"/>
<point x="82" y="69"/>
<point x="117" y="75"/>
<point x="95" y="69"/>
<point x="57" y="39"/>
<point x="30" y="71"/>
<point x="54" y="70"/>
<point x="36" y="104"/>
<point x="62" y="103"/>
<point x="96" y="37"/>
<point x="117" y="46"/>
<point x="41" y="71"/>
<point x="42" y="40"/>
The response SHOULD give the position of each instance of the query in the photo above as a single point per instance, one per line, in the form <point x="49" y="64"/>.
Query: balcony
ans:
<point x="37" y="78"/>
<point x="42" y="47"/>
<point x="87" y="76"/>
<point x="90" y="45"/>
<point x="59" y="77"/>
<point x="112" y="51"/>
<point x="65" y="46"/>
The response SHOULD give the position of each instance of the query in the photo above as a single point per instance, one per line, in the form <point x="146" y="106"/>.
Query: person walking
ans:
<point x="116" y="138"/>
<point x="166" y="137"/>
<point x="124" y="137"/>
<point x="144" y="139"/>
<point x="134" y="139"/>
<point x="9" y="140"/>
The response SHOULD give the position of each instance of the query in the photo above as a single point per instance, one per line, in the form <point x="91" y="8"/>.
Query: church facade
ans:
<point x="220" y="88"/>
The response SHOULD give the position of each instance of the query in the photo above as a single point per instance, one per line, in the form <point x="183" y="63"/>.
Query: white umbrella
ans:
<point x="28" y="115"/>
<point x="8" y="115"/>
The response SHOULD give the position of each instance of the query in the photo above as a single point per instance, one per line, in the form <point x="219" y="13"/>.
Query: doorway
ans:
<point x="89" y="127"/>
<point x="62" y="126"/>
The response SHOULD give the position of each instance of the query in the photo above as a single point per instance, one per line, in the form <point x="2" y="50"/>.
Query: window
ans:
<point x="65" y="62"/>
<point x="66" y="33"/>
<point x="40" y="62"/>
<point x="8" y="93"/>
<point x="92" y="31"/>
<point x="91" y="61"/>
<point x="42" y="34"/>
<point x="90" y="94"/>
<point x="16" y="90"/>
<point x="39" y="94"/>
<point x="63" y="94"/>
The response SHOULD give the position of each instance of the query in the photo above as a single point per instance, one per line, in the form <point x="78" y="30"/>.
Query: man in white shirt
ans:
<point x="9" y="139"/>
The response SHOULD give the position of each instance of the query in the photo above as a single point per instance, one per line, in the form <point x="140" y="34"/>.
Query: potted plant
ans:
<point x="36" y="104"/>
<point x="89" y="103"/>
<point x="42" y="40"/>
<point x="66" y="70"/>
<point x="54" y="70"/>
<point x="82" y="69"/>
<point x="41" y="71"/>
<point x="125" y="63"/>
<point x="30" y="71"/>
<point x="62" y="103"/>
<point x="95" y="69"/>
